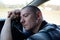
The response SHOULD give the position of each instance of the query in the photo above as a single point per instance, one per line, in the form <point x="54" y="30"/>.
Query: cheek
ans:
<point x="31" y="22"/>
<point x="28" y="21"/>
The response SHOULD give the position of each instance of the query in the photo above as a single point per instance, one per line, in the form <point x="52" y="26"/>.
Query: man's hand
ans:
<point x="14" y="14"/>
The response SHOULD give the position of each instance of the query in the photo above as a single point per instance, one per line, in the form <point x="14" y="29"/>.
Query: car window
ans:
<point x="7" y="5"/>
<point x="51" y="11"/>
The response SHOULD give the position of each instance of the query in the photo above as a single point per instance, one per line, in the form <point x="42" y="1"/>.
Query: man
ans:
<point x="32" y="20"/>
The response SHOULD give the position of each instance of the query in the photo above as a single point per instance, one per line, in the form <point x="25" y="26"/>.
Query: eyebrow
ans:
<point x="26" y="14"/>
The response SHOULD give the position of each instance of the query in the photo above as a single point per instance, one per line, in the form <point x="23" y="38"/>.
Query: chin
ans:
<point x="26" y="29"/>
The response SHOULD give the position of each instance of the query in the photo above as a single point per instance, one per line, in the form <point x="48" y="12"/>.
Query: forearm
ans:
<point x="6" y="30"/>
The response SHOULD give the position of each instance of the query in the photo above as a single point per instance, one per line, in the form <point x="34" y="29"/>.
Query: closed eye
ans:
<point x="25" y="15"/>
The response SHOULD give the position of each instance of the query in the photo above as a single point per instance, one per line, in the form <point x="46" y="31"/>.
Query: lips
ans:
<point x="24" y="25"/>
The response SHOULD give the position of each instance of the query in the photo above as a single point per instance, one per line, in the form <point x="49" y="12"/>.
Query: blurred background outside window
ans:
<point x="50" y="9"/>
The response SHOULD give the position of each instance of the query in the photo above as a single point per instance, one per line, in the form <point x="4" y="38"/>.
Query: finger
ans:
<point x="17" y="12"/>
<point x="9" y="13"/>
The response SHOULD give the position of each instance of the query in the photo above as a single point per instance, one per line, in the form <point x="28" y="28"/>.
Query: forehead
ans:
<point x="26" y="10"/>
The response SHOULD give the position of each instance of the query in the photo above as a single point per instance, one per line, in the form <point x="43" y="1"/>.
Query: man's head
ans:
<point x="30" y="17"/>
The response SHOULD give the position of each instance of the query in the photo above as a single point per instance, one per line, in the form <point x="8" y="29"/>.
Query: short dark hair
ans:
<point x="32" y="8"/>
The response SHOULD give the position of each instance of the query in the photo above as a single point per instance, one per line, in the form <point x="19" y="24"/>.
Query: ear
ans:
<point x="38" y="14"/>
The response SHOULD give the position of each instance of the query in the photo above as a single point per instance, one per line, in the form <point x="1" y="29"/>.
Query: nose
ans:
<point x="22" y="20"/>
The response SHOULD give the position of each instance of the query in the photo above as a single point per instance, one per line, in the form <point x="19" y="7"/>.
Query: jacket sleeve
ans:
<point x="39" y="36"/>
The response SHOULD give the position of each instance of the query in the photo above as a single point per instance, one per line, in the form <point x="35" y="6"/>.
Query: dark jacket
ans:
<point x="46" y="32"/>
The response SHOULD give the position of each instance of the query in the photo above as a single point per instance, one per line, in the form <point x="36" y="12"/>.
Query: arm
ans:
<point x="6" y="30"/>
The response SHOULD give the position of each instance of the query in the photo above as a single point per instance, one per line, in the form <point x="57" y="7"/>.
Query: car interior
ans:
<point x="38" y="3"/>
